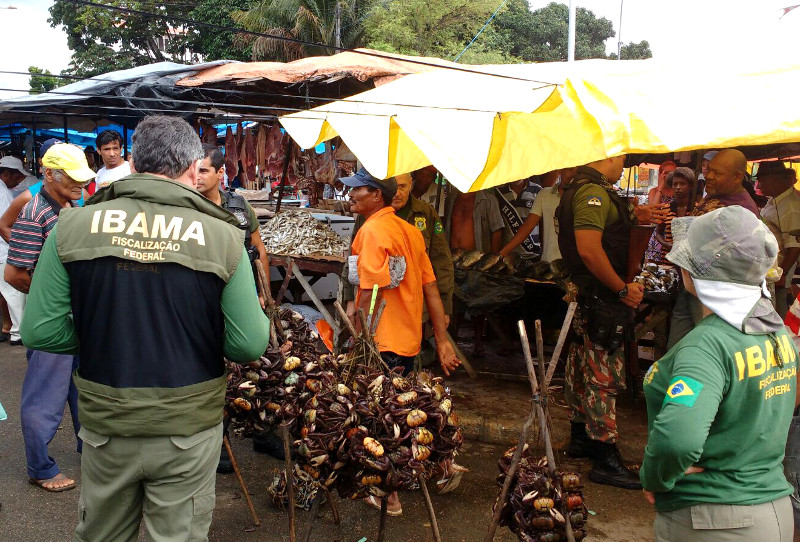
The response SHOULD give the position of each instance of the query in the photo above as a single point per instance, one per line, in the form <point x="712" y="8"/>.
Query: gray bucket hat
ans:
<point x="728" y="253"/>
<point x="727" y="245"/>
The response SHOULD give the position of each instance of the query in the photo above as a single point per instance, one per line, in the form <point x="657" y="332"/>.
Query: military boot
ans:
<point x="609" y="469"/>
<point x="580" y="445"/>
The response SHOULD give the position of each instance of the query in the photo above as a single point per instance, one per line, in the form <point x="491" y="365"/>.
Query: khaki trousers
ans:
<point x="167" y="481"/>
<point x="770" y="521"/>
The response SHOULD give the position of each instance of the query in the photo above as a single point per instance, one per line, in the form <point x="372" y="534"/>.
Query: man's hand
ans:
<point x="351" y="310"/>
<point x="447" y="356"/>
<point x="635" y="295"/>
<point x="655" y="213"/>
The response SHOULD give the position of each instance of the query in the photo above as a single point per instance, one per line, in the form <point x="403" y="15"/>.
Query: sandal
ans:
<point x="375" y="502"/>
<point x="59" y="476"/>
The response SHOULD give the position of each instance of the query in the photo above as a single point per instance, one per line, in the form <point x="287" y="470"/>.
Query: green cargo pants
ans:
<point x="167" y="481"/>
<point x="770" y="521"/>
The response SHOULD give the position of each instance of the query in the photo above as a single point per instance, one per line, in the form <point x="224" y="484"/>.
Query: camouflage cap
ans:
<point x="728" y="245"/>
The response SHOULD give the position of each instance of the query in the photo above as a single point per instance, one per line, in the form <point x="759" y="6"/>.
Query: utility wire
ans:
<point x="503" y="3"/>
<point x="299" y="41"/>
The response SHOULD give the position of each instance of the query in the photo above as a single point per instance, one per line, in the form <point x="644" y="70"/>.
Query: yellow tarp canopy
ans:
<point x="481" y="130"/>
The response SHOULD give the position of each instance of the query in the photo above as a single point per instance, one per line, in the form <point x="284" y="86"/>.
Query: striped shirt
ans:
<point x="34" y="224"/>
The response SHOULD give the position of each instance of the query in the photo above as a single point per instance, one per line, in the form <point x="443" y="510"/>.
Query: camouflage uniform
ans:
<point x="593" y="377"/>
<point x="592" y="380"/>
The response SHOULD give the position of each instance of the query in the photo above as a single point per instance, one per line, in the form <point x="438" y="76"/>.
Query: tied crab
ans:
<point x="378" y="430"/>
<point x="538" y="500"/>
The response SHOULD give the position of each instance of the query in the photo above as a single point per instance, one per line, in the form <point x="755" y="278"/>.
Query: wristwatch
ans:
<point x="624" y="292"/>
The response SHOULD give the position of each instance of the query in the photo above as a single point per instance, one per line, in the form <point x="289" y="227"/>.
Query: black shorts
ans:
<point x="393" y="360"/>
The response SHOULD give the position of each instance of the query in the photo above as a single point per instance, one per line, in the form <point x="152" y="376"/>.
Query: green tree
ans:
<point x="633" y="51"/>
<point x="216" y="44"/>
<point x="312" y="21"/>
<point x="542" y="35"/>
<point x="104" y="40"/>
<point x="42" y="80"/>
<point x="440" y="29"/>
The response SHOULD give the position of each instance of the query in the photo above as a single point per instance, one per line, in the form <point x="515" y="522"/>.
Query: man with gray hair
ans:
<point x="48" y="384"/>
<point x="149" y="283"/>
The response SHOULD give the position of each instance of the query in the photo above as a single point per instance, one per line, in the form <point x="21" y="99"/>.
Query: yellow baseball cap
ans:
<point x="71" y="159"/>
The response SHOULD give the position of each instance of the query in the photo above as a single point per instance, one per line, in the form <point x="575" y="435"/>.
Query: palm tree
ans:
<point x="312" y="21"/>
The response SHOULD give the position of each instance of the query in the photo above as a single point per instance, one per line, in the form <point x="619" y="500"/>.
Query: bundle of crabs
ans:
<point x="538" y="500"/>
<point x="357" y="427"/>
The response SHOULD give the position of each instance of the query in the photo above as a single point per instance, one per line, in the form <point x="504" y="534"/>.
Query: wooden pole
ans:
<point x="345" y="320"/>
<point x="337" y="519"/>
<point x="313" y="516"/>
<point x="512" y="470"/>
<point x="562" y="338"/>
<point x="437" y="537"/>
<point x="310" y="292"/>
<point x="545" y="431"/>
<point x="256" y="520"/>
<point x="289" y="480"/>
<point x="382" y="521"/>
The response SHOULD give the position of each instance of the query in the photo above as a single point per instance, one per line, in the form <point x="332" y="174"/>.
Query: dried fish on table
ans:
<point x="298" y="232"/>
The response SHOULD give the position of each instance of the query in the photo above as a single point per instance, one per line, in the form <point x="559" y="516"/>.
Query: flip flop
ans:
<point x="375" y="503"/>
<point x="41" y="484"/>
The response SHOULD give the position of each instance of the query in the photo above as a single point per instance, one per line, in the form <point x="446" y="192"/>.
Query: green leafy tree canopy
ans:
<point x="312" y="21"/>
<point x="42" y="81"/>
<point x="104" y="40"/>
<point x="439" y="29"/>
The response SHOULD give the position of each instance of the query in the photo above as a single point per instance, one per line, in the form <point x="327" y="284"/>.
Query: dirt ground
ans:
<point x="30" y="515"/>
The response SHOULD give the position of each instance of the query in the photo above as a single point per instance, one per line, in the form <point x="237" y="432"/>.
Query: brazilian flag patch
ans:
<point x="438" y="228"/>
<point x="683" y="391"/>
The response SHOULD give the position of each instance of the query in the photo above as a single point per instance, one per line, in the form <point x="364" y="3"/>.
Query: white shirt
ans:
<point x="107" y="176"/>
<point x="5" y="202"/>
<point x="781" y="214"/>
<point x="545" y="206"/>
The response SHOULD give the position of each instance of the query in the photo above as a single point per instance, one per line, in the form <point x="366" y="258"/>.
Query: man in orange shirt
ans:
<point x="390" y="253"/>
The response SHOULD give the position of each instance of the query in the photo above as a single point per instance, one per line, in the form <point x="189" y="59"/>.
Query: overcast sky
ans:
<point x="686" y="34"/>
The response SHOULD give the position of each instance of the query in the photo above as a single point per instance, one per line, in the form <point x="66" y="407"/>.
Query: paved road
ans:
<point x="31" y="515"/>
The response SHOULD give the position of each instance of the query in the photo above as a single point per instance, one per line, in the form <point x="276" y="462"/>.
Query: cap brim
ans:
<point x="354" y="181"/>
<point x="81" y="175"/>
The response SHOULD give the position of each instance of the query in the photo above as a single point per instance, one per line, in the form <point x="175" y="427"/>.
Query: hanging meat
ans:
<point x="325" y="166"/>
<point x="231" y="155"/>
<point x="209" y="134"/>
<point x="240" y="146"/>
<point x="261" y="149"/>
<point x="275" y="152"/>
<point x="249" y="158"/>
<point x="341" y="152"/>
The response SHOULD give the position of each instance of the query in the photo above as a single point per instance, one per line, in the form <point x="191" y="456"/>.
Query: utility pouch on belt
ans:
<point x="606" y="322"/>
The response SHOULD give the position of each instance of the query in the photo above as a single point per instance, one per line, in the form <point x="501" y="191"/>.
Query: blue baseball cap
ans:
<point x="363" y="178"/>
<point x="47" y="144"/>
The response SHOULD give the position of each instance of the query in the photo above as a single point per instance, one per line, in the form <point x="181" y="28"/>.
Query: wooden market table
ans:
<point x="293" y="266"/>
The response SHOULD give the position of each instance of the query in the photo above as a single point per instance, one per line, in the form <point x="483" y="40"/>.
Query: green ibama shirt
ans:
<point x="721" y="400"/>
